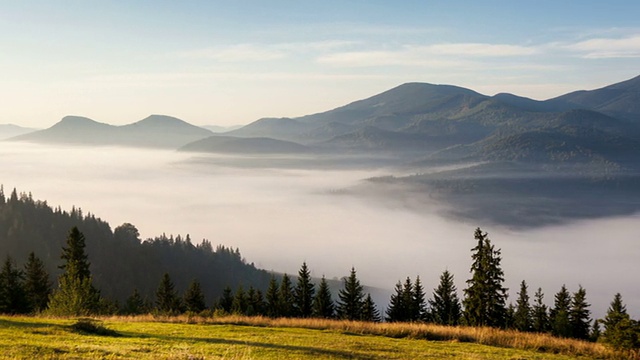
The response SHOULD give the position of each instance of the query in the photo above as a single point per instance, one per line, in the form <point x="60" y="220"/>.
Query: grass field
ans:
<point x="259" y="338"/>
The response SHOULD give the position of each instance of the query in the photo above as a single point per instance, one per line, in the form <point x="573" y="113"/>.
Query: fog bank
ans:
<point x="281" y="217"/>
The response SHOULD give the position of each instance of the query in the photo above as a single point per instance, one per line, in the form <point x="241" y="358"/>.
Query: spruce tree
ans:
<point x="397" y="307"/>
<point x="194" y="298"/>
<point x="579" y="315"/>
<point x="251" y="294"/>
<point x="256" y="302"/>
<point x="485" y="297"/>
<point x="559" y="314"/>
<point x="75" y="295"/>
<point x="540" y="315"/>
<point x="285" y="297"/>
<point x="407" y="300"/>
<point x="135" y="304"/>
<point x="370" y="311"/>
<point x="350" y="298"/>
<point x="304" y="293"/>
<point x="226" y="301"/>
<point x="13" y="299"/>
<point x="522" y="317"/>
<point x="37" y="284"/>
<point x="273" y="299"/>
<point x="323" y="306"/>
<point x="445" y="306"/>
<point x="240" y="302"/>
<point x="619" y="330"/>
<point x="167" y="300"/>
<point x="419" y="302"/>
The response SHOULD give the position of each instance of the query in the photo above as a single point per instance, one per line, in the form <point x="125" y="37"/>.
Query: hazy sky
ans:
<point x="232" y="62"/>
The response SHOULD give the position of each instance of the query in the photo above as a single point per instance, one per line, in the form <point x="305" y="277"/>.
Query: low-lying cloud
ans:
<point x="282" y="217"/>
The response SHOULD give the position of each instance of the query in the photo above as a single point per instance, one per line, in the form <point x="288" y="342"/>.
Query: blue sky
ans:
<point x="232" y="62"/>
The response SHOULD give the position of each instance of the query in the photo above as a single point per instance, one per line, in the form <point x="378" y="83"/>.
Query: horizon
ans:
<point x="217" y="63"/>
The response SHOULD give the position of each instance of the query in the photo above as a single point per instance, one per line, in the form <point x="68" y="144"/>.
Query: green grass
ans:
<point x="42" y="338"/>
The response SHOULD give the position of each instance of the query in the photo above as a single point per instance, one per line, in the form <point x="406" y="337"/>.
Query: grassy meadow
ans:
<point x="232" y="337"/>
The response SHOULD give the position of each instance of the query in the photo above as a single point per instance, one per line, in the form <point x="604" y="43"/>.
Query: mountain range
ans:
<point x="428" y="123"/>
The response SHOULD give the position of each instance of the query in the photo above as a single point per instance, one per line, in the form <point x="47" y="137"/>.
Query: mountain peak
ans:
<point x="161" y="120"/>
<point x="73" y="121"/>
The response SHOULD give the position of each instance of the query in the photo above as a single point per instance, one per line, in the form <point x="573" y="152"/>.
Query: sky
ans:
<point x="233" y="62"/>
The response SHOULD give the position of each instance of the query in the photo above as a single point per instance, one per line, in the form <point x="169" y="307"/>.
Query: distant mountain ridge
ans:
<point x="158" y="131"/>
<point x="10" y="130"/>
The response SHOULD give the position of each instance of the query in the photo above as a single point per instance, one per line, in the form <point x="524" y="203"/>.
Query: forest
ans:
<point x="74" y="265"/>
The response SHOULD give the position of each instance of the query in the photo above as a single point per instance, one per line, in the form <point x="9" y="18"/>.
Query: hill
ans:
<point x="9" y="130"/>
<point x="236" y="145"/>
<point x="120" y="260"/>
<point x="156" y="131"/>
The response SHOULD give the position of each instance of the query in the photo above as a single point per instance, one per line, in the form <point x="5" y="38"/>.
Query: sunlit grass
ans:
<point x="232" y="337"/>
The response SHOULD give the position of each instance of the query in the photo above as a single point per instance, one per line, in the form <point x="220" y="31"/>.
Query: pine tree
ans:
<point x="273" y="300"/>
<point x="522" y="317"/>
<point x="350" y="298"/>
<point x="226" y="301"/>
<point x="540" y="314"/>
<point x="256" y="302"/>
<point x="445" y="306"/>
<point x="135" y="304"/>
<point x="407" y="301"/>
<point x="167" y="300"/>
<point x="559" y="315"/>
<point x="240" y="302"/>
<point x="595" y="333"/>
<point x="397" y="307"/>
<point x="579" y="315"/>
<point x="370" y="311"/>
<point x="323" y="306"/>
<point x="37" y="284"/>
<point x="485" y="298"/>
<point x="304" y="293"/>
<point x="75" y="295"/>
<point x="13" y="299"/>
<point x="194" y="298"/>
<point x="285" y="297"/>
<point x="419" y="302"/>
<point x="619" y="330"/>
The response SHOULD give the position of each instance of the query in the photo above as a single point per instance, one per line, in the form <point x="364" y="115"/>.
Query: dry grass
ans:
<point x="480" y="335"/>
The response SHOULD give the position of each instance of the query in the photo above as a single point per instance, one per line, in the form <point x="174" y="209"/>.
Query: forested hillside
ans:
<point x="120" y="260"/>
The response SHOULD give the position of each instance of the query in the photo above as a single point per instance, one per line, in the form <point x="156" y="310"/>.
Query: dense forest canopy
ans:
<point x="120" y="261"/>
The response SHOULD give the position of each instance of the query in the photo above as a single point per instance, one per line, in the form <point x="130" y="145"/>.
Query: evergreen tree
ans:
<point x="285" y="297"/>
<point x="194" y="298"/>
<point x="407" y="300"/>
<point x="240" y="302"/>
<point x="135" y="304"/>
<point x="445" y="306"/>
<point x="579" y="315"/>
<point x="37" y="284"/>
<point x="304" y="293"/>
<point x="419" y="302"/>
<point x="397" y="307"/>
<point x="369" y="310"/>
<point x="13" y="299"/>
<point x="75" y="295"/>
<point x="619" y="330"/>
<point x="485" y="297"/>
<point x="522" y="317"/>
<point x="273" y="300"/>
<point x="167" y="300"/>
<point x="323" y="306"/>
<point x="559" y="315"/>
<point x="540" y="314"/>
<point x="350" y="298"/>
<point x="226" y="301"/>
<point x="510" y="317"/>
<point x="256" y="302"/>
<point x="595" y="333"/>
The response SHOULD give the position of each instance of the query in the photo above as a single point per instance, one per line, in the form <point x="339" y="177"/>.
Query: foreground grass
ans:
<point x="261" y="338"/>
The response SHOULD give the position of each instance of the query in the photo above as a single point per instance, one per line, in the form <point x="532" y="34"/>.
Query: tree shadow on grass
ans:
<point x="309" y="350"/>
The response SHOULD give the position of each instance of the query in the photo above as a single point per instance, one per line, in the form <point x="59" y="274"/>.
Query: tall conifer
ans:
<point x="351" y="298"/>
<point x="323" y="305"/>
<point x="445" y="305"/>
<point x="304" y="293"/>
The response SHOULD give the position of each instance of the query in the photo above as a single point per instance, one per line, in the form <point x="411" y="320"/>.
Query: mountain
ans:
<point x="221" y="129"/>
<point x="620" y="100"/>
<point x="9" y="130"/>
<point x="230" y="144"/>
<point x="156" y="131"/>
